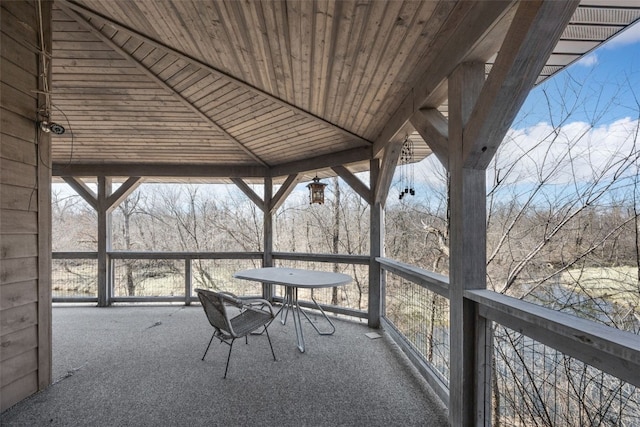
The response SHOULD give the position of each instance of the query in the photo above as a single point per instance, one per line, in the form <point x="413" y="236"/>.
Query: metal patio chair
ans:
<point x="254" y="313"/>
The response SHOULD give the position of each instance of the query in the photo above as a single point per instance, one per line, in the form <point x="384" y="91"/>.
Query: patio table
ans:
<point x="293" y="279"/>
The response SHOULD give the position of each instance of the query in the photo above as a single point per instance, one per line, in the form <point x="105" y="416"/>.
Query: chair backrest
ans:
<point x="214" y="308"/>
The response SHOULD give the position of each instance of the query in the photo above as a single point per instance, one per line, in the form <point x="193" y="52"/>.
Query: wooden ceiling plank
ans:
<point x="376" y="90"/>
<point x="157" y="80"/>
<point x="342" y="43"/>
<point x="260" y="42"/>
<point x="376" y="45"/>
<point x="276" y="15"/>
<point x="433" y="127"/>
<point x="395" y="62"/>
<point x="234" y="22"/>
<point x="248" y="191"/>
<point x="306" y="24"/>
<point x="478" y="20"/>
<point x="322" y="55"/>
<point x="531" y="38"/>
<point x="206" y="87"/>
<point x="354" y="182"/>
<point x="360" y="43"/>
<point x="88" y="12"/>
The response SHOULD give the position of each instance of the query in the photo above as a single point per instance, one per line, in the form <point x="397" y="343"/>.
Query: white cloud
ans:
<point x="575" y="152"/>
<point x="589" y="60"/>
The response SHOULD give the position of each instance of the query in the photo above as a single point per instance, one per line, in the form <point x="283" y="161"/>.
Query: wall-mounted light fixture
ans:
<point x="316" y="191"/>
<point x="52" y="127"/>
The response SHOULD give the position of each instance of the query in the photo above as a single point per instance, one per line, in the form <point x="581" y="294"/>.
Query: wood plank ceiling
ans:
<point x="273" y="85"/>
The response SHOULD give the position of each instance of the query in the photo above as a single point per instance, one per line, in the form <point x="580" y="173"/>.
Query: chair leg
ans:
<point x="269" y="338"/>
<point x="210" y="341"/>
<point x="228" y="358"/>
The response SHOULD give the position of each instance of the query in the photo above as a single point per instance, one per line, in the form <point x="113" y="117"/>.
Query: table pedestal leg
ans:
<point x="333" y="327"/>
<point x="290" y="303"/>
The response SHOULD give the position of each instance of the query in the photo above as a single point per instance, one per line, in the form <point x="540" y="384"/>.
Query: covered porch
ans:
<point x="268" y="95"/>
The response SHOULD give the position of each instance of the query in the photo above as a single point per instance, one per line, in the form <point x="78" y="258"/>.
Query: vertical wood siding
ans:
<point x="25" y="308"/>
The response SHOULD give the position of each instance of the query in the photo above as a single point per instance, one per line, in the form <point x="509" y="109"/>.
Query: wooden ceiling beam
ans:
<point x="533" y="34"/>
<point x="472" y="30"/>
<point x="144" y="69"/>
<point x="340" y="158"/>
<point x="158" y="170"/>
<point x="131" y="32"/>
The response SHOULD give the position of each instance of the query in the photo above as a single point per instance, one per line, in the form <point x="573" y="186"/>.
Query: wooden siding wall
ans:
<point x="25" y="260"/>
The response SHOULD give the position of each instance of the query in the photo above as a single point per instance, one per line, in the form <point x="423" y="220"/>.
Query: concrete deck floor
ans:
<point x="140" y="365"/>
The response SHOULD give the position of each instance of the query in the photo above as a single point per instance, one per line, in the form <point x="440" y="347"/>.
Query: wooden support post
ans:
<point x="267" y="258"/>
<point x="467" y="265"/>
<point x="44" y="214"/>
<point x="188" y="283"/>
<point x="376" y="282"/>
<point x="104" y="241"/>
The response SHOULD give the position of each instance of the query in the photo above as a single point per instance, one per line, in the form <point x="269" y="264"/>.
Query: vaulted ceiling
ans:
<point x="250" y="88"/>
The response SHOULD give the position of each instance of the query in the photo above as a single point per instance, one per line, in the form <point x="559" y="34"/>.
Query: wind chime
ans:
<point x="407" y="169"/>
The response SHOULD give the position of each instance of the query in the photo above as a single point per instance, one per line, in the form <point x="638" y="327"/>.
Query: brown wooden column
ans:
<point x="467" y="265"/>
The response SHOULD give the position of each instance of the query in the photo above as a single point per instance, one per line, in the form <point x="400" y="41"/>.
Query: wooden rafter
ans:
<point x="144" y="69"/>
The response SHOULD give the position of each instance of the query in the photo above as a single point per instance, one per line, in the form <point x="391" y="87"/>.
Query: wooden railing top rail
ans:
<point x="293" y="256"/>
<point x="611" y="350"/>
<point x="183" y="255"/>
<point x="432" y="281"/>
<point x="310" y="257"/>
<point x="74" y="255"/>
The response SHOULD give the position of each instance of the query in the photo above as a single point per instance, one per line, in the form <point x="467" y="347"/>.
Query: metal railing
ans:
<point x="153" y="277"/>
<point x="537" y="352"/>
<point x="549" y="368"/>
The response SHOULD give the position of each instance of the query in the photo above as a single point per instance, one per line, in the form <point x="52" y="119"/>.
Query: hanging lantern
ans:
<point x="316" y="191"/>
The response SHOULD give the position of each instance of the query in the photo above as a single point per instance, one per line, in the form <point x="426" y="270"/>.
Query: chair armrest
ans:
<point x="231" y="299"/>
<point x="251" y="303"/>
